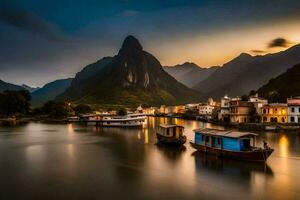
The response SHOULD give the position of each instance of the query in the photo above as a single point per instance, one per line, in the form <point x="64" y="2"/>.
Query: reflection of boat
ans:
<point x="233" y="144"/>
<point x="171" y="134"/>
<point x="231" y="166"/>
<point x="171" y="152"/>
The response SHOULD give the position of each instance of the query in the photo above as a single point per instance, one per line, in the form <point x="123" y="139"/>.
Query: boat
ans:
<point x="170" y="134"/>
<point x="130" y="120"/>
<point x="73" y="119"/>
<point x="122" y="121"/>
<point x="231" y="144"/>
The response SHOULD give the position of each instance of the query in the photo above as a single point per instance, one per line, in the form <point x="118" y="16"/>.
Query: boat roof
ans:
<point x="169" y="125"/>
<point x="224" y="133"/>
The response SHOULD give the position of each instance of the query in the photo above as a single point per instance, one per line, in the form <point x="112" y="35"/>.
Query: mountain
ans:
<point x="247" y="72"/>
<point x="8" y="86"/>
<point x="283" y="86"/>
<point x="189" y="73"/>
<point x="130" y="78"/>
<point x="49" y="91"/>
<point x="29" y="88"/>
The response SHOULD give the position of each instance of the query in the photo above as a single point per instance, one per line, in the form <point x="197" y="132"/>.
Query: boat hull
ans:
<point x="171" y="140"/>
<point x="255" y="156"/>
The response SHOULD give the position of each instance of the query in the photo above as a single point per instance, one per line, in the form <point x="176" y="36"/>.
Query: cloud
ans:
<point x="279" y="42"/>
<point x="29" y="22"/>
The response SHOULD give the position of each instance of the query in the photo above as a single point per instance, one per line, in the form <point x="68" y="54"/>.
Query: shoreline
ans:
<point x="243" y="126"/>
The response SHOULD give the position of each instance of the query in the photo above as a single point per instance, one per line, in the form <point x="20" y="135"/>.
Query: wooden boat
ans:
<point x="232" y="144"/>
<point x="170" y="134"/>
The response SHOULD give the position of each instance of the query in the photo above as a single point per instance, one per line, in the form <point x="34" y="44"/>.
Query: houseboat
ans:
<point x="232" y="144"/>
<point x="170" y="134"/>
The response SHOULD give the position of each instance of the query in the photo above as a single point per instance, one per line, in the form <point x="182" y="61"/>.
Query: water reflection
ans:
<point x="70" y="161"/>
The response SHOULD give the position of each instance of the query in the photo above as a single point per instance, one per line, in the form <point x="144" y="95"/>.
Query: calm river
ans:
<point x="72" y="161"/>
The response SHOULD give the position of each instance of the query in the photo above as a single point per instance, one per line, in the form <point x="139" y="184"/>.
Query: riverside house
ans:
<point x="293" y="110"/>
<point x="275" y="113"/>
<point x="240" y="111"/>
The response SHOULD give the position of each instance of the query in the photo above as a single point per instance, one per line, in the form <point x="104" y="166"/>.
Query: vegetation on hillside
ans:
<point x="14" y="102"/>
<point x="283" y="86"/>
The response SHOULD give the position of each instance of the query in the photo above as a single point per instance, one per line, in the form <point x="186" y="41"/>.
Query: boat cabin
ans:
<point x="170" y="130"/>
<point x="225" y="140"/>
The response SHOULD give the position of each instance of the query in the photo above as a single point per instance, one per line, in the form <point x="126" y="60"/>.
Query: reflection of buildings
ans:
<point x="293" y="110"/>
<point x="275" y="112"/>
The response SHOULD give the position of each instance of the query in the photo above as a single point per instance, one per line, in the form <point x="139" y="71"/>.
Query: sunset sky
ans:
<point x="46" y="40"/>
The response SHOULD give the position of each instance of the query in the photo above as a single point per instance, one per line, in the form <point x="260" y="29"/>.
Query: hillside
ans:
<point x="283" y="86"/>
<point x="49" y="91"/>
<point x="8" y="86"/>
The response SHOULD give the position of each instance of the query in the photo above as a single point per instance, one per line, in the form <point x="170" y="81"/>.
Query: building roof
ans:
<point x="224" y="133"/>
<point x="169" y="125"/>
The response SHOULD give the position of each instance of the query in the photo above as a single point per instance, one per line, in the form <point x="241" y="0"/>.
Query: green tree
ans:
<point x="82" y="109"/>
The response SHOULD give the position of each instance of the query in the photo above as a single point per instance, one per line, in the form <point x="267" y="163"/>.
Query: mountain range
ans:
<point x="131" y="77"/>
<point x="246" y="73"/>
<point x="8" y="86"/>
<point x="49" y="91"/>
<point x="189" y="73"/>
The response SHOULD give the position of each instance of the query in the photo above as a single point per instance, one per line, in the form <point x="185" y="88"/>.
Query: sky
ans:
<point x="41" y="41"/>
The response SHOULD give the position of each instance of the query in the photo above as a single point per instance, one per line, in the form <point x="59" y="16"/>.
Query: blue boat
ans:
<point x="232" y="144"/>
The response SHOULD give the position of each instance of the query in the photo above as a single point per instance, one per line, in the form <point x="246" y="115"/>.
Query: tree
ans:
<point x="82" y="109"/>
<point x="122" y="111"/>
<point x="56" y="109"/>
<point x="14" y="102"/>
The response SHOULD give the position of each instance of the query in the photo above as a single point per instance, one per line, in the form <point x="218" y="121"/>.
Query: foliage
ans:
<point x="14" y="102"/>
<point x="55" y="109"/>
<point x="82" y="109"/>
<point x="122" y="111"/>
<point x="282" y="87"/>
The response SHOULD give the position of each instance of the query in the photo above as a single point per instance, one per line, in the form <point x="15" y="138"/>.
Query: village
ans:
<point x="252" y="110"/>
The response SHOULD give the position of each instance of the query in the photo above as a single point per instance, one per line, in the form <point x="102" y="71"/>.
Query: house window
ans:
<point x="219" y="141"/>
<point x="299" y="110"/>
<point x="292" y="110"/>
<point x="264" y="111"/>
<point x="275" y="110"/>
<point x="265" y="119"/>
<point x="292" y="119"/>
<point x="282" y="119"/>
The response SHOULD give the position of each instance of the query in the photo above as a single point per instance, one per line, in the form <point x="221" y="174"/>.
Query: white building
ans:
<point x="258" y="102"/>
<point x="293" y="110"/>
<point x="224" y="110"/>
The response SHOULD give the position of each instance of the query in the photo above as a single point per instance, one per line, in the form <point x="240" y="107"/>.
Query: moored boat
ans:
<point x="232" y="144"/>
<point x="170" y="134"/>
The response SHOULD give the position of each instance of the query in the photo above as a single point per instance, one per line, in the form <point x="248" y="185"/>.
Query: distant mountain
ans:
<point x="50" y="91"/>
<point x="132" y="77"/>
<point x="189" y="73"/>
<point x="247" y="72"/>
<point x="283" y="86"/>
<point x="8" y="86"/>
<point x="29" y="88"/>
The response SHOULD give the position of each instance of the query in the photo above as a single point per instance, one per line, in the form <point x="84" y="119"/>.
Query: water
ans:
<point x="69" y="161"/>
